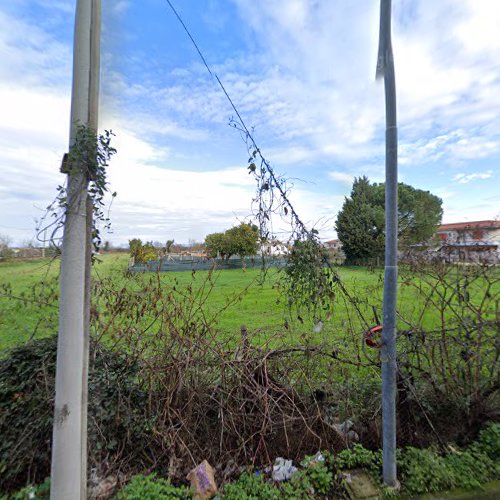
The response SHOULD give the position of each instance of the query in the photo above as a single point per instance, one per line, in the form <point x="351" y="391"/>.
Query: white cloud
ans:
<point x="444" y="193"/>
<point x="314" y="96"/>
<point x="30" y="55"/>
<point x="35" y="78"/>
<point x="34" y="114"/>
<point x="65" y="6"/>
<point x="342" y="177"/>
<point x="465" y="178"/>
<point x="121" y="6"/>
<point x="456" y="146"/>
<point x="307" y="86"/>
<point x="154" y="199"/>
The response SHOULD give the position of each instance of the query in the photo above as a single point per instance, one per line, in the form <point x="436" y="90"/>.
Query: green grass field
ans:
<point x="253" y="301"/>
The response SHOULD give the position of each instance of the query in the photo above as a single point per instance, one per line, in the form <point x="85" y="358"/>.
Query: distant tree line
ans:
<point x="5" y="250"/>
<point x="240" y="240"/>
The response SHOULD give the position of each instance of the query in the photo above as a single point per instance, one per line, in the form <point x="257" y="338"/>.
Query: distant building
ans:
<point x="477" y="241"/>
<point x="333" y="244"/>
<point x="335" y="251"/>
<point x="274" y="248"/>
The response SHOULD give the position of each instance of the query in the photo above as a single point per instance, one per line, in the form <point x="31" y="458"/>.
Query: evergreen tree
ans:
<point x="360" y="223"/>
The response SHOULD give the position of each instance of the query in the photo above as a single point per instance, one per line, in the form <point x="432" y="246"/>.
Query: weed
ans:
<point x="151" y="487"/>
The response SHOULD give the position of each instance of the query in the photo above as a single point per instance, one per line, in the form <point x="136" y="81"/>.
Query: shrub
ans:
<point x="425" y="470"/>
<point x="310" y="482"/>
<point x="153" y="488"/>
<point x="357" y="456"/>
<point x="489" y="442"/>
<point x="249" y="486"/>
<point x="27" y="398"/>
<point x="40" y="492"/>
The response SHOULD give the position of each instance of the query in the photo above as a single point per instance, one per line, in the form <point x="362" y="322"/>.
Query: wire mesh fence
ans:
<point x="188" y="263"/>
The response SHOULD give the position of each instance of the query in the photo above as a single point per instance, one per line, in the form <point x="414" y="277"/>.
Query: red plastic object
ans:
<point x="369" y="335"/>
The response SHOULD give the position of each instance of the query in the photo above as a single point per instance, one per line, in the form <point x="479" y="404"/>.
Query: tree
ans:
<point x="215" y="245"/>
<point x="134" y="245"/>
<point x="419" y="214"/>
<point x="239" y="240"/>
<point x="142" y="252"/>
<point x="242" y="240"/>
<point x="168" y="245"/>
<point x="360" y="223"/>
<point x="5" y="250"/>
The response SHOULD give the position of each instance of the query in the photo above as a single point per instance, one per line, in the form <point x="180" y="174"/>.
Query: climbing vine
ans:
<point x="90" y="155"/>
<point x="308" y="281"/>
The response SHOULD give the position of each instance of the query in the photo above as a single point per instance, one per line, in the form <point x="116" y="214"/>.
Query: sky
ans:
<point x="302" y="75"/>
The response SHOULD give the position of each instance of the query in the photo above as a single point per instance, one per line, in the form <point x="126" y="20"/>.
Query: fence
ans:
<point x="200" y="264"/>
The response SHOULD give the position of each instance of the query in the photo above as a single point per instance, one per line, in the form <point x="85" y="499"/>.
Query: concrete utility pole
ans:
<point x="385" y="69"/>
<point x="69" y="445"/>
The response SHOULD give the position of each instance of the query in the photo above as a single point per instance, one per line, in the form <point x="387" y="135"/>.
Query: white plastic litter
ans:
<point x="313" y="461"/>
<point x="318" y="458"/>
<point x="283" y="469"/>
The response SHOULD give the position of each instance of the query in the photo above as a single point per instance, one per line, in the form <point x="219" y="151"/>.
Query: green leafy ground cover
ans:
<point x="420" y="471"/>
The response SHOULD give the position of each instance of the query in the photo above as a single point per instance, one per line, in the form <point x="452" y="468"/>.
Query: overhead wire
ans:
<point x="283" y="194"/>
<point x="244" y="126"/>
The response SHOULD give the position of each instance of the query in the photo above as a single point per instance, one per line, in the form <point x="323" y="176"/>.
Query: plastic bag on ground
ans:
<point x="283" y="469"/>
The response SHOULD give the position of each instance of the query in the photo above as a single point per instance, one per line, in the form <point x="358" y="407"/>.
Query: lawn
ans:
<point x="238" y="297"/>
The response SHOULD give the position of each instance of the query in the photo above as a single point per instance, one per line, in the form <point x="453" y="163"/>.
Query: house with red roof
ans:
<point x="333" y="244"/>
<point x="476" y="241"/>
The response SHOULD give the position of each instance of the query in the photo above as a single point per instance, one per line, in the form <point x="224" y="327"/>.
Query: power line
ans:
<point x="212" y="73"/>
<point x="312" y="235"/>
<point x="191" y="38"/>
<point x="246" y="130"/>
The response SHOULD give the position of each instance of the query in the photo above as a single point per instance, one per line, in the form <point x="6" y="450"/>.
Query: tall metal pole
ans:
<point x="69" y="445"/>
<point x="385" y="69"/>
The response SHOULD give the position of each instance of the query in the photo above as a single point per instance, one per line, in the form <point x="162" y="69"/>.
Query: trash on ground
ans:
<point x="104" y="488"/>
<point x="359" y="484"/>
<point x="345" y="431"/>
<point x="314" y="460"/>
<point x="283" y="469"/>
<point x="318" y="326"/>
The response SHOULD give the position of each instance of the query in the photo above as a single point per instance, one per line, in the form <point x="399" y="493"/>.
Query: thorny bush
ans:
<point x="449" y="348"/>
